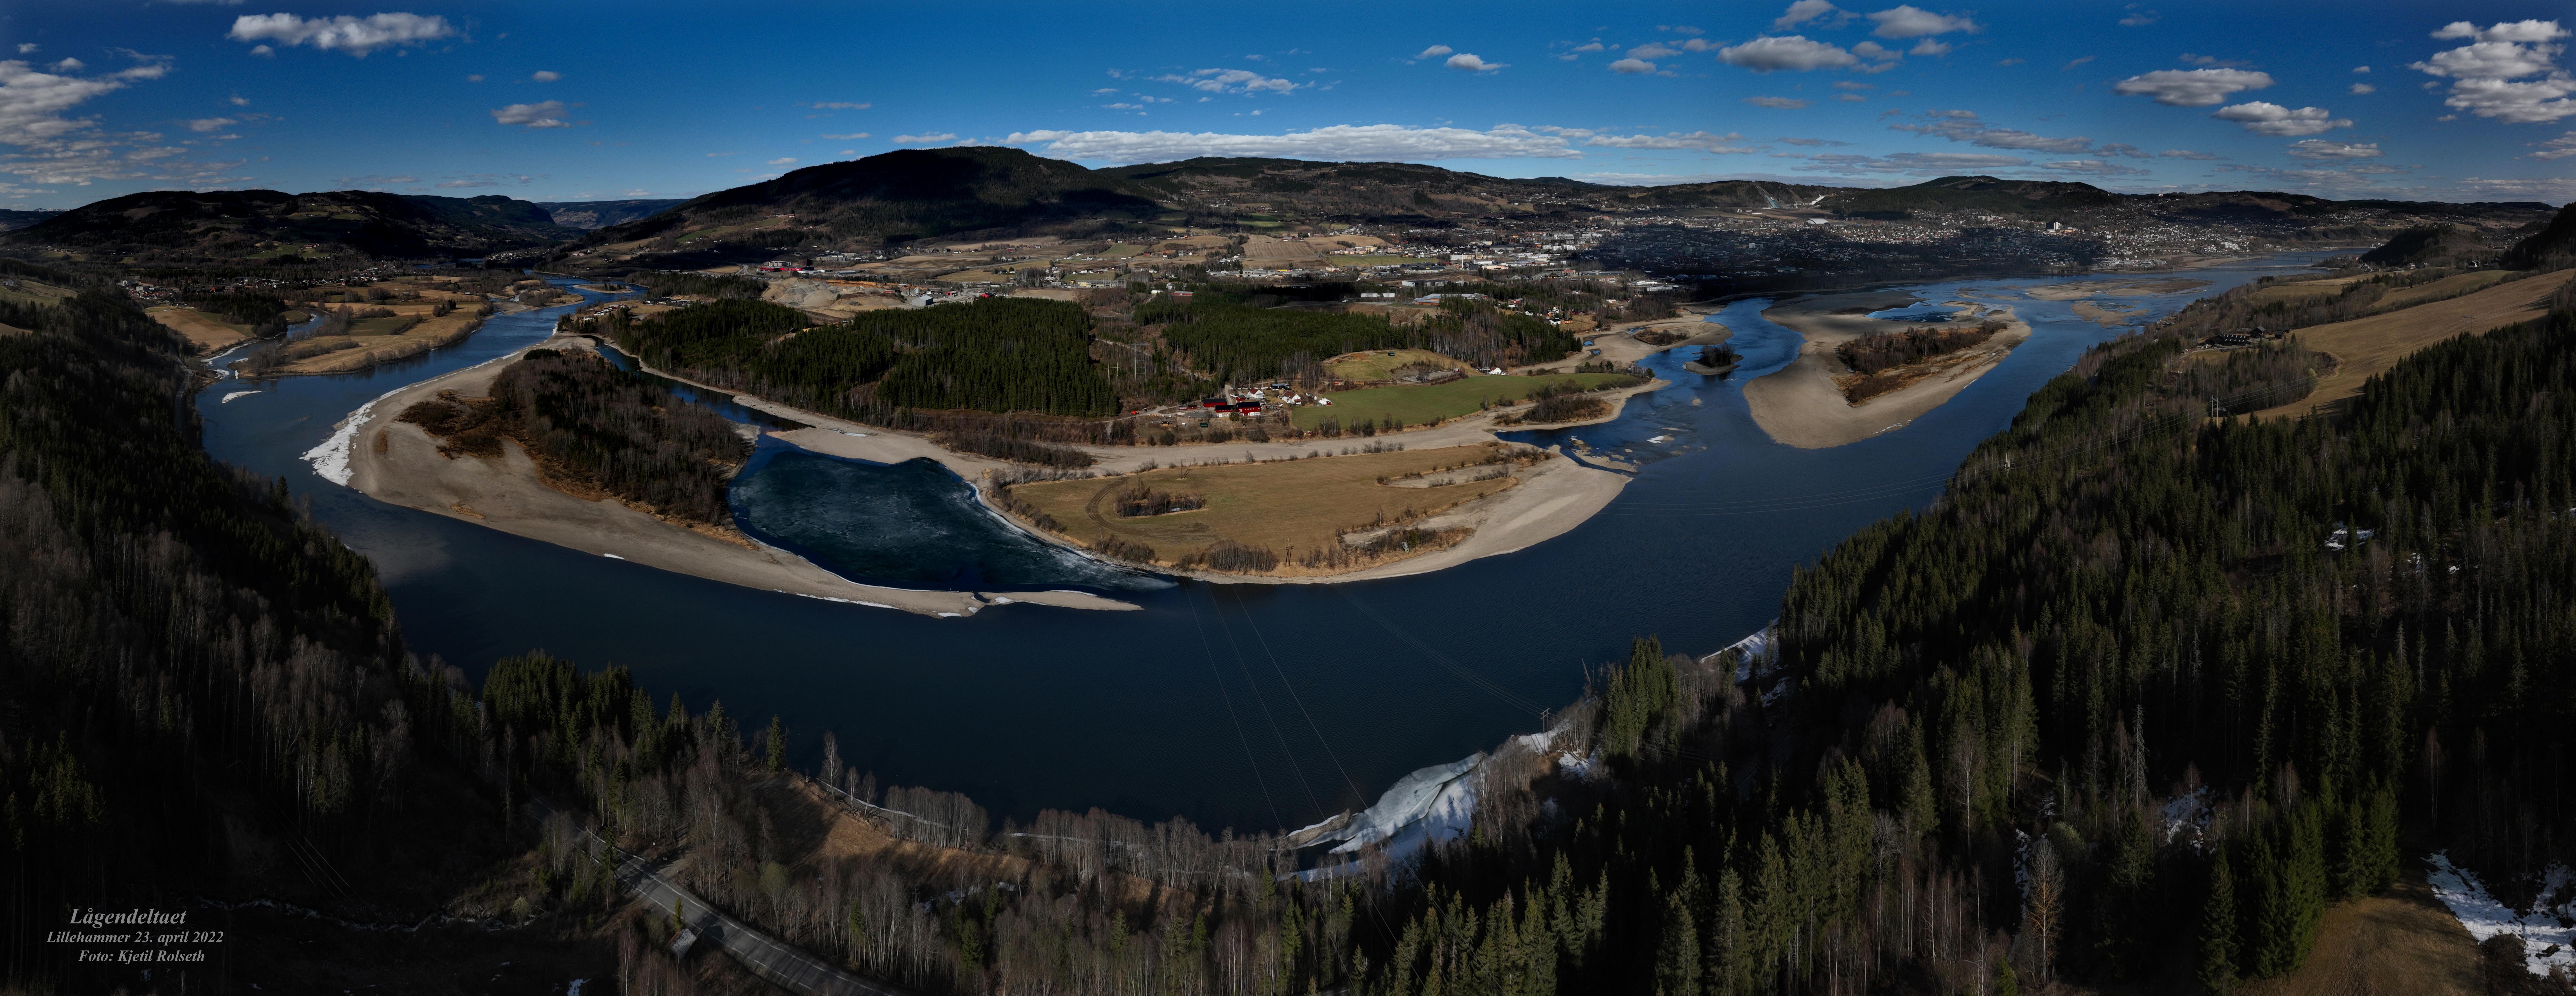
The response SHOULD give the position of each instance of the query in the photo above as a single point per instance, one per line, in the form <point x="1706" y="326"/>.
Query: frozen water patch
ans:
<point x="228" y="398"/>
<point x="2547" y="941"/>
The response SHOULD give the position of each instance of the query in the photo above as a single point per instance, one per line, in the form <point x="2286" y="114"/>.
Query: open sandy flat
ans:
<point x="1799" y="404"/>
<point x="2365" y="346"/>
<point x="505" y="494"/>
<point x="2079" y="289"/>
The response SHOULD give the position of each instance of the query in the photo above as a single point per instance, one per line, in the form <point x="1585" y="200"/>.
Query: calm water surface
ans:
<point x="1254" y="706"/>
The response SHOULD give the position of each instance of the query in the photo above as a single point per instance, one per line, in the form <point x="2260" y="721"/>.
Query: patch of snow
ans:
<point x="1760" y="652"/>
<point x="1660" y="439"/>
<point x="1580" y="767"/>
<point x="2182" y="813"/>
<point x="1429" y="806"/>
<point x="612" y="556"/>
<point x="228" y="398"/>
<point x="2543" y="929"/>
<point x="1536" y="743"/>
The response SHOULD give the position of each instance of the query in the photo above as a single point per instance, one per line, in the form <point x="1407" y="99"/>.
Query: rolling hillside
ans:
<point x="588" y="215"/>
<point x="181" y="226"/>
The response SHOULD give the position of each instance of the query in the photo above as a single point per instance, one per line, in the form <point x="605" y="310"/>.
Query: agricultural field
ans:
<point x="1422" y="404"/>
<point x="31" y="292"/>
<point x="1284" y="506"/>
<point x="2457" y="283"/>
<point x="1380" y="364"/>
<point x="207" y="332"/>
<point x="2363" y="347"/>
<point x="2302" y="289"/>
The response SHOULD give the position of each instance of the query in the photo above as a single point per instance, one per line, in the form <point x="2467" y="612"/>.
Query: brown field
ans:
<point x="1287" y="505"/>
<point x="206" y="331"/>
<point x="32" y="292"/>
<point x="358" y="352"/>
<point x="1380" y="364"/>
<point x="2365" y="346"/>
<point x="2302" y="289"/>
<point x="2401" y="941"/>
<point x="2457" y="283"/>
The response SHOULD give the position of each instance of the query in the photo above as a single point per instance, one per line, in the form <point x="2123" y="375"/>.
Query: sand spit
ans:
<point x="1799" y="404"/>
<point x="397" y="463"/>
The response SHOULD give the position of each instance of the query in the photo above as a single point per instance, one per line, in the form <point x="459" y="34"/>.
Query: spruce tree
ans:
<point x="2218" y="928"/>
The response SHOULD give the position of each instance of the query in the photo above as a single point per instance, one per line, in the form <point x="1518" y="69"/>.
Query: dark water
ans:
<point x="1256" y="706"/>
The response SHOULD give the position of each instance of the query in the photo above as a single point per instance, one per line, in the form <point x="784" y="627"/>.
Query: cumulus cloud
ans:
<point x="56" y="149"/>
<point x="1654" y="50"/>
<point x="2318" y="148"/>
<point x="1918" y="163"/>
<point x="2363" y="89"/>
<point x="2191" y="87"/>
<point x="1963" y="126"/>
<point x="1433" y="52"/>
<point x="1464" y="60"/>
<point x="545" y="76"/>
<point x="1233" y="81"/>
<point x="2138" y="17"/>
<point x="924" y="139"/>
<point x="2508" y="71"/>
<point x="354" y="35"/>
<point x="1794" y="52"/>
<point x="1701" y="140"/>
<point x="2264" y="118"/>
<point x="203" y="125"/>
<point x="2093" y="167"/>
<point x="1929" y="47"/>
<point x="1632" y="66"/>
<point x="1338" y="142"/>
<point x="2557" y="148"/>
<point x="1909" y="21"/>
<point x="1808" y="10"/>
<point x="1778" y="103"/>
<point x="2185" y="154"/>
<point x="543" y="114"/>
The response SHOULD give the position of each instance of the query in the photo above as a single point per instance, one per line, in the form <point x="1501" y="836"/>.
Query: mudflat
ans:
<point x="1800" y="405"/>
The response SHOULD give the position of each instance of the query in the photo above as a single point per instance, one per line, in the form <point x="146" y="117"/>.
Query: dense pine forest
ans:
<point x="591" y="427"/>
<point x="997" y="355"/>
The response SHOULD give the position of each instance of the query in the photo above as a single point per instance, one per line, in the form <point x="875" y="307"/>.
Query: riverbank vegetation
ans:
<point x="1886" y="361"/>
<point x="592" y="429"/>
<point x="1403" y="405"/>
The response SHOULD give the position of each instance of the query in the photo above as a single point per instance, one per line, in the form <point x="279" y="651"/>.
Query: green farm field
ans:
<point x="1418" y="404"/>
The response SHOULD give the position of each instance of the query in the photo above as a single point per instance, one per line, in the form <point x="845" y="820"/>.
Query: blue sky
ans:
<point x="579" y="101"/>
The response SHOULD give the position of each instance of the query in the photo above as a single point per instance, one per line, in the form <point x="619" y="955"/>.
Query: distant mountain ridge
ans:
<point x="588" y="215"/>
<point x="185" y="226"/>
<point x="12" y="220"/>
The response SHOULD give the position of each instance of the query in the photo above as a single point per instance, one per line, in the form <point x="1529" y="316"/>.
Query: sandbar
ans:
<point x="2074" y="290"/>
<point x="1799" y="404"/>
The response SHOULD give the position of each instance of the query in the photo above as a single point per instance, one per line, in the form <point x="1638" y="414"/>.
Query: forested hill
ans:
<point x="587" y="215"/>
<point x="177" y="226"/>
<point x="2189" y="680"/>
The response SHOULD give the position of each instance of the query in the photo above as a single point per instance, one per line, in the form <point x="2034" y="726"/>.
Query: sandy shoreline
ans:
<point x="1799" y="404"/>
<point x="505" y="494"/>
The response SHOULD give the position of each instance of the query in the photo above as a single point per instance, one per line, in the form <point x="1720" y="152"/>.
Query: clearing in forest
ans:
<point x="1380" y="364"/>
<point x="2363" y="347"/>
<point x="1288" y="507"/>
<point x="207" y="332"/>
<point x="1423" y="404"/>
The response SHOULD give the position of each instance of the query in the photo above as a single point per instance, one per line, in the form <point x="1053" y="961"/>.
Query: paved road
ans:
<point x="766" y="956"/>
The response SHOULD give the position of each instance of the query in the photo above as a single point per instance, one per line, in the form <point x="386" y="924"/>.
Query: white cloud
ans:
<point x="1231" y="81"/>
<point x="354" y="35"/>
<point x="1653" y="50"/>
<point x="1854" y="85"/>
<point x="2513" y="31"/>
<point x="1929" y="47"/>
<point x="470" y="78"/>
<point x="69" y="65"/>
<point x="1963" y="126"/>
<point x="2185" y="154"/>
<point x="1918" y="163"/>
<point x="1769" y="53"/>
<point x="838" y="105"/>
<point x="2264" y="118"/>
<point x="238" y="100"/>
<point x="1909" y="21"/>
<point x="1433" y="52"/>
<point x="2074" y="62"/>
<point x="53" y="148"/>
<point x="924" y="139"/>
<point x="1338" y="142"/>
<point x="2191" y="87"/>
<point x="2138" y="18"/>
<point x="782" y="161"/>
<point x="1467" y="61"/>
<point x="1874" y="50"/>
<point x="1632" y="66"/>
<point x="1807" y="10"/>
<point x="2363" y="89"/>
<point x="1673" y="140"/>
<point x="545" y="76"/>
<point x="2093" y="167"/>
<point x="855" y="134"/>
<point x="27" y="48"/>
<point x="1778" y="103"/>
<point x="202" y="125"/>
<point x="1586" y="47"/>
<point x="265" y="52"/>
<point x="2557" y="148"/>
<point x="2488" y="74"/>
<point x="2318" y="148"/>
<point x="543" y="114"/>
<point x="2361" y="69"/>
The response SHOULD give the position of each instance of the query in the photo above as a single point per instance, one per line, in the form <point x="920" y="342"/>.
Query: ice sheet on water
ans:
<point x="228" y="397"/>
<point x="2542" y="930"/>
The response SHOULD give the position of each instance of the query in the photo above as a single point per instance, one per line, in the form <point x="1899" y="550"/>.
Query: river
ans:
<point x="1252" y="706"/>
